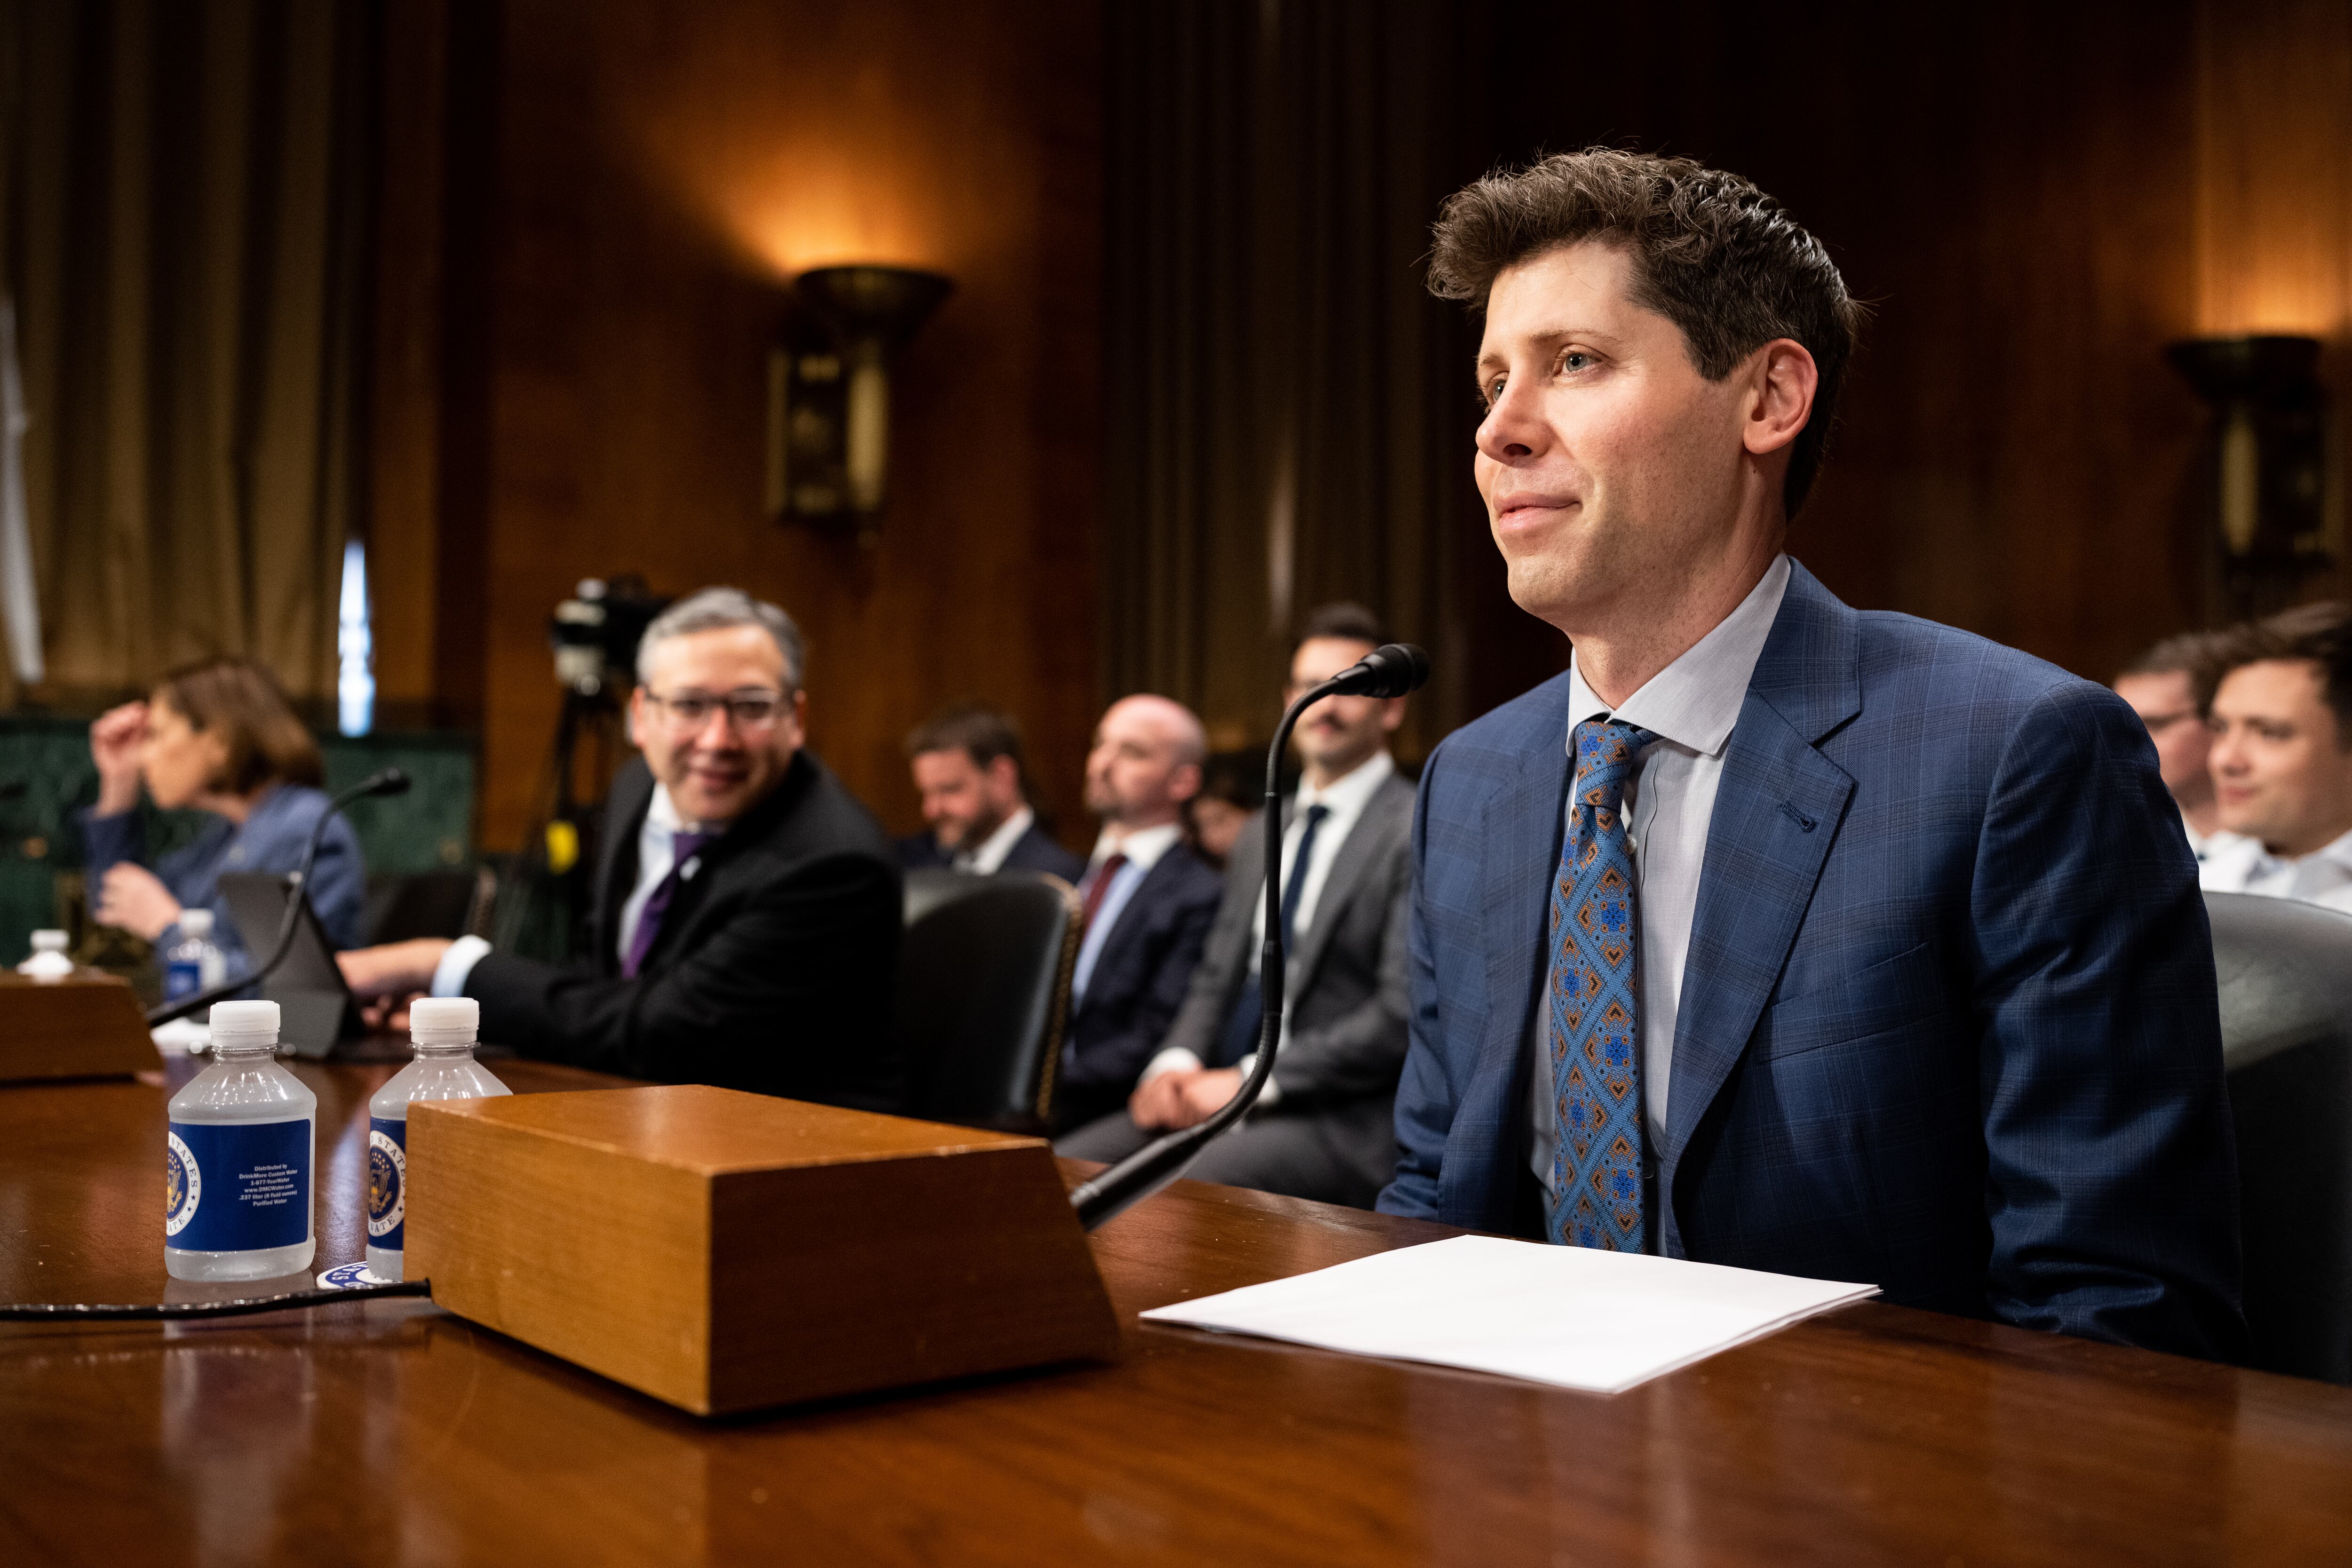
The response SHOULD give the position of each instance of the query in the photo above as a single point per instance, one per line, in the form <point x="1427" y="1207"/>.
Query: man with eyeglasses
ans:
<point x="747" y="906"/>
<point x="2168" y="687"/>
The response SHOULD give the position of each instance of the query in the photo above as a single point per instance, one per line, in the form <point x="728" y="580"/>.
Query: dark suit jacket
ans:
<point x="1346" y="979"/>
<point x="1032" y="851"/>
<point x="1949" y="1021"/>
<point x="772" y="969"/>
<point x="1139" y="981"/>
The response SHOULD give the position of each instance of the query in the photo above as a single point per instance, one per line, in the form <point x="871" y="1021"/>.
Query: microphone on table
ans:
<point x="389" y="781"/>
<point x="1392" y="669"/>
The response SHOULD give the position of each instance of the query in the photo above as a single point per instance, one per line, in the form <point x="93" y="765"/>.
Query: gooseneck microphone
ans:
<point x="1393" y="669"/>
<point x="389" y="781"/>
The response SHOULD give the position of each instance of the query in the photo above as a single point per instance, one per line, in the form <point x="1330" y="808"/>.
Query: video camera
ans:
<point x="595" y="633"/>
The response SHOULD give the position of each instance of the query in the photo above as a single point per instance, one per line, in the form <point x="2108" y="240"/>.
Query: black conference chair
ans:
<point x="983" y="993"/>
<point x="2285" y="969"/>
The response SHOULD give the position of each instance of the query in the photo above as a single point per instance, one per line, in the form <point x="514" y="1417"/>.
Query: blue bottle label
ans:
<point x="387" y="1181"/>
<point x="183" y="979"/>
<point x="236" y="1186"/>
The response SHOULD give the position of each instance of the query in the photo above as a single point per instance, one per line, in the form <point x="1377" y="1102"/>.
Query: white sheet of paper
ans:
<point x="1567" y="1315"/>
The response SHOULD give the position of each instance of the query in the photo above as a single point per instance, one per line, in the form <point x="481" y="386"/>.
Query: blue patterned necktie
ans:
<point x="1595" y="1040"/>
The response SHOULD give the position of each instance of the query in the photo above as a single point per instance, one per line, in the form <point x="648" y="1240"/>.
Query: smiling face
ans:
<point x="1615" y="474"/>
<point x="2281" y="772"/>
<point x="964" y="800"/>
<point x="718" y="767"/>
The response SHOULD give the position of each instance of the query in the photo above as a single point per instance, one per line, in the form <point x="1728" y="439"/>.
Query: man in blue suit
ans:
<point x="1148" y="897"/>
<point x="1775" y="933"/>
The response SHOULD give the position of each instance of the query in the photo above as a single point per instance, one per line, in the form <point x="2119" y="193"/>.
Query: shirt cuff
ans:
<point x="1268" y="1097"/>
<point x="1168" y="1060"/>
<point x="449" y="974"/>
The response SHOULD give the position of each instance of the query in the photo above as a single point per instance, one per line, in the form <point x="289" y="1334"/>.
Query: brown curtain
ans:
<point x="1290" y="413"/>
<point x="184" y="185"/>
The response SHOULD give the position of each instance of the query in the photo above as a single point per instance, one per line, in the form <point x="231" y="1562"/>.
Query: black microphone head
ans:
<point x="392" y="781"/>
<point x="1392" y="669"/>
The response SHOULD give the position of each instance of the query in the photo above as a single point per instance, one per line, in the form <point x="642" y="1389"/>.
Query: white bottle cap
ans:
<point x="48" y="942"/>
<point x="244" y="1021"/>
<point x="197" y="923"/>
<point x="444" y="1020"/>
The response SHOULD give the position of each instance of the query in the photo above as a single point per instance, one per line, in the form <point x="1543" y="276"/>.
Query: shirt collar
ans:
<point x="662" y="813"/>
<point x="1348" y="795"/>
<point x="1696" y="701"/>
<point x="1143" y="848"/>
<point x="992" y="850"/>
<point x="2337" y="852"/>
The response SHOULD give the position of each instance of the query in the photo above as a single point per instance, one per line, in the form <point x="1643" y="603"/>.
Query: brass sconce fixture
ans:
<point x="2269" y="465"/>
<point x="829" y="391"/>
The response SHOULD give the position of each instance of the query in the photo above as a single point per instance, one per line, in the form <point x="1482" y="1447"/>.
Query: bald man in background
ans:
<point x="1149" y="898"/>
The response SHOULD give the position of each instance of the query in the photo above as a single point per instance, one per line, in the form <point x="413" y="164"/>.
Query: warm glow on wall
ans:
<point x="817" y="206"/>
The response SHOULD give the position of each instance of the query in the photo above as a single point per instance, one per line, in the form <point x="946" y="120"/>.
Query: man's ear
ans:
<point x="638" y="717"/>
<point x="1782" y="380"/>
<point x="1005" y="776"/>
<point x="1184" y="783"/>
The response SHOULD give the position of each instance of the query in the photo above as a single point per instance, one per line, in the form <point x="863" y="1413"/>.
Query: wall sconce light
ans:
<point x="2269" y="467"/>
<point x="829" y="390"/>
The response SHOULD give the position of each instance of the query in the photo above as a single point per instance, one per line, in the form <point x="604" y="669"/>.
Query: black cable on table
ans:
<point x="86" y="1311"/>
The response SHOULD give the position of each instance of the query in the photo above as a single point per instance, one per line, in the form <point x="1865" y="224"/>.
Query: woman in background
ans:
<point x="218" y="736"/>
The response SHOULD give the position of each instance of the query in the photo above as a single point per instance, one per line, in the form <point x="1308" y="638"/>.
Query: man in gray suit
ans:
<point x="1323" y="1129"/>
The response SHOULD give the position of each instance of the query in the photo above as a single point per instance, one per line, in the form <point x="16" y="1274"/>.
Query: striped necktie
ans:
<point x="1595" y="1038"/>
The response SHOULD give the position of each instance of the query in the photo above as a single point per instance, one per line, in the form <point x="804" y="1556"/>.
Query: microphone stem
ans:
<point x="1152" y="1167"/>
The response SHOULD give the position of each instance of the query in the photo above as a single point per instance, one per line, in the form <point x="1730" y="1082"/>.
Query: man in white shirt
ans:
<point x="967" y="768"/>
<point x="1324" y="1126"/>
<point x="2281" y="760"/>
<point x="1776" y="933"/>
<point x="745" y="931"/>
<point x="2168" y="687"/>
<point x="1148" y="899"/>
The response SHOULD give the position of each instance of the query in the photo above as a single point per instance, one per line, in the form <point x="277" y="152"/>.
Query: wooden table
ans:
<point x="391" y="1432"/>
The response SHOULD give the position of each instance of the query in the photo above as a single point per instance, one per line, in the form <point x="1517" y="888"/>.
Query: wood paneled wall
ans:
<point x="2035" y="201"/>
<point x="591" y="208"/>
<point x="592" y="211"/>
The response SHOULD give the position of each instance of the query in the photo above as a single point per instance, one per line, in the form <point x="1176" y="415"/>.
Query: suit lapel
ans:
<point x="1521" y="832"/>
<point x="1777" y="812"/>
<point x="631" y="796"/>
<point x="1137" y="915"/>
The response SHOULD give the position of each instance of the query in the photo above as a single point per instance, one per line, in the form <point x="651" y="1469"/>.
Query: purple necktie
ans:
<point x="683" y="848"/>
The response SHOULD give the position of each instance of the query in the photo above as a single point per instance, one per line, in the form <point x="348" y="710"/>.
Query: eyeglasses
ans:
<point x="751" y="712"/>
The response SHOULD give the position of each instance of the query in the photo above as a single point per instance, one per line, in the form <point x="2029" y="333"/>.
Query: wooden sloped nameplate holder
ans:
<point x="89" y="1025"/>
<point x="725" y="1251"/>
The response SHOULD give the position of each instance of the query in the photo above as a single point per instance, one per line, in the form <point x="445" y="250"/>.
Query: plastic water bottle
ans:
<point x="239" y="1158"/>
<point x="443" y="1029"/>
<point x="193" y="963"/>
<point x="49" y="961"/>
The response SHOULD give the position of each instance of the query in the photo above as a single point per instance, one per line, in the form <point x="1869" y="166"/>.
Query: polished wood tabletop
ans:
<point x="391" y="1432"/>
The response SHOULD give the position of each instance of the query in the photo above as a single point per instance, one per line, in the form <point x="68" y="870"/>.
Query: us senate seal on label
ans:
<point x="184" y="1184"/>
<point x="387" y="1183"/>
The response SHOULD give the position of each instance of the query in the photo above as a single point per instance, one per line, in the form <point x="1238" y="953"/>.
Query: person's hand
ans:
<point x="1205" y="1093"/>
<point x="395" y="972"/>
<point x="131" y="898"/>
<point x="387" y="1014"/>
<point x="114" y="739"/>
<point x="1158" y="1102"/>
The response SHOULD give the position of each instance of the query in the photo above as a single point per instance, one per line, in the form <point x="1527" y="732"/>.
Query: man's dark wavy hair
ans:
<point x="1711" y="253"/>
